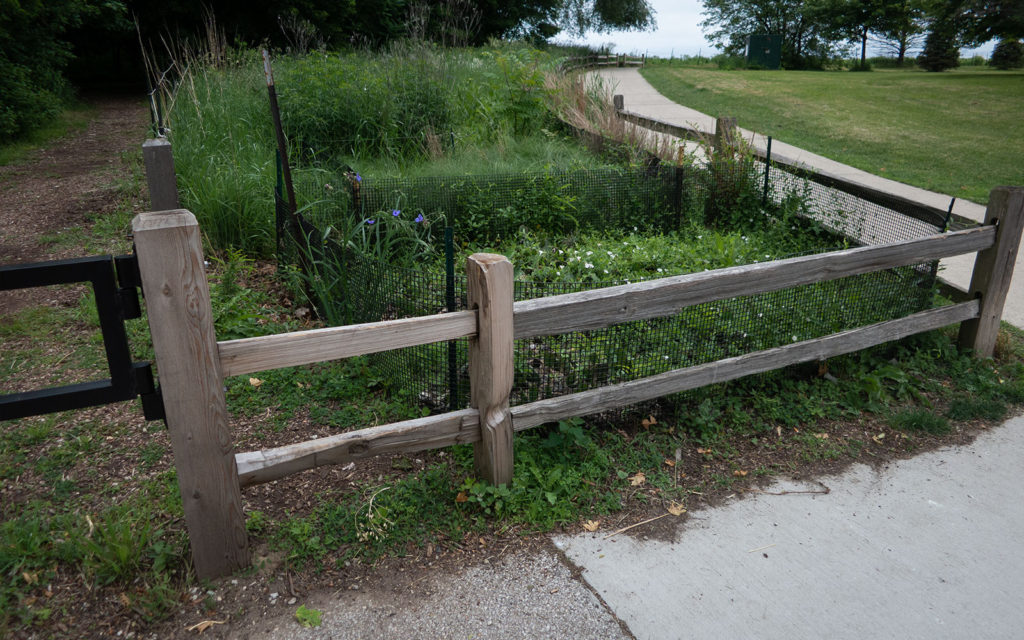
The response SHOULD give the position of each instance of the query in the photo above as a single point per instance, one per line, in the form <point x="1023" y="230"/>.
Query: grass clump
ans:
<point x="920" y="421"/>
<point x="971" y="408"/>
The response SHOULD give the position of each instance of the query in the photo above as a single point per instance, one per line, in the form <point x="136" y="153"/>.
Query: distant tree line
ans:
<point x="813" y="30"/>
<point x="44" y="43"/>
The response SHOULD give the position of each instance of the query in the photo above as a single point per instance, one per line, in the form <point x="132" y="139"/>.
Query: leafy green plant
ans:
<point x="307" y="617"/>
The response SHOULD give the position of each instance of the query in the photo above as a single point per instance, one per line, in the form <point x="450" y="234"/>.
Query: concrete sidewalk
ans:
<point x="640" y="97"/>
<point x="922" y="548"/>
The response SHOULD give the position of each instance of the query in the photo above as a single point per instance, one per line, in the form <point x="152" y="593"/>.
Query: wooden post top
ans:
<point x="169" y="219"/>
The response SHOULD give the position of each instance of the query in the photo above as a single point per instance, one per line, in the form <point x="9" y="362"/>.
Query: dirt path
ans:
<point x="61" y="185"/>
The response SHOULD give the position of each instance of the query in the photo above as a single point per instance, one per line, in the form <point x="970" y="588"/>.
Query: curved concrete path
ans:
<point x="640" y="97"/>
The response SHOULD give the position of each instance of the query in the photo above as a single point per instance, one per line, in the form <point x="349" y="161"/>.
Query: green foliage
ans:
<point x="308" y="618"/>
<point x="940" y="49"/>
<point x="974" y="408"/>
<point x="357" y="105"/>
<point x="920" y="420"/>
<point x="1008" y="54"/>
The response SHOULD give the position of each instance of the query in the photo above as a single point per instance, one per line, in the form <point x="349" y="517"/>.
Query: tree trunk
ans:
<point x="863" y="47"/>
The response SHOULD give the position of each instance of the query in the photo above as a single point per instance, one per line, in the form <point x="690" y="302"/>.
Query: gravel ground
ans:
<point x="525" y="595"/>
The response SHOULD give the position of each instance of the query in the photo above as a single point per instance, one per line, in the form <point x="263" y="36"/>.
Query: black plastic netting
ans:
<point x="352" y="287"/>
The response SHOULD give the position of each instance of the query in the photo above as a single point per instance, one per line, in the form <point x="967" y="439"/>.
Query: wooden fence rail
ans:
<point x="192" y="364"/>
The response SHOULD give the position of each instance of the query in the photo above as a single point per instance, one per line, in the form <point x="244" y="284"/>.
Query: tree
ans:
<point x="728" y="23"/>
<point x="1008" y="54"/>
<point x="851" y="20"/>
<point x="941" y="51"/>
<point x="33" y="54"/>
<point x="902" y="28"/>
<point x="982" y="20"/>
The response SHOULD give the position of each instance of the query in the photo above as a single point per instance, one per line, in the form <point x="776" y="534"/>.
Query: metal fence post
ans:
<point x="993" y="269"/>
<point x="449" y="296"/>
<point x="160" y="177"/>
<point x="490" y="290"/>
<point x="181" y="324"/>
<point x="767" y="171"/>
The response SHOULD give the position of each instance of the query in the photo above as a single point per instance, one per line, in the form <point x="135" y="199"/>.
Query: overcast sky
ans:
<point x="678" y="33"/>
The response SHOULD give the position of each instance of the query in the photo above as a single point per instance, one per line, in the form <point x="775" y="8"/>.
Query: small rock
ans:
<point x="292" y="600"/>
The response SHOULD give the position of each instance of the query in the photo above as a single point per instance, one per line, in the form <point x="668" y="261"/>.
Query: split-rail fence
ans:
<point x="192" y="363"/>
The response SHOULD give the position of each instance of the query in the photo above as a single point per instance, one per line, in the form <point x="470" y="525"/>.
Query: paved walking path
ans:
<point x="640" y="97"/>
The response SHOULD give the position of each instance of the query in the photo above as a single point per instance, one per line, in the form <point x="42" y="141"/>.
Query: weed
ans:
<point x="307" y="617"/>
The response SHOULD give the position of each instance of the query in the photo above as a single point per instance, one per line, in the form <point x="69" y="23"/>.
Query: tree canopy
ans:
<point x="813" y="29"/>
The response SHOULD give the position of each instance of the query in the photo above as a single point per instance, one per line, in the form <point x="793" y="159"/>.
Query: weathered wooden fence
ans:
<point x="192" y="364"/>
<point x="607" y="60"/>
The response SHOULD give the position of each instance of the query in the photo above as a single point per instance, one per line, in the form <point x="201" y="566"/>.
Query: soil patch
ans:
<point x="60" y="186"/>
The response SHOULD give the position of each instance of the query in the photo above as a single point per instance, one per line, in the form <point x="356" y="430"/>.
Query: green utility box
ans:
<point x="764" y="50"/>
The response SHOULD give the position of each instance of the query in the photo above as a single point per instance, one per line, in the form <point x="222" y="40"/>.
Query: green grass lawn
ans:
<point x="958" y="133"/>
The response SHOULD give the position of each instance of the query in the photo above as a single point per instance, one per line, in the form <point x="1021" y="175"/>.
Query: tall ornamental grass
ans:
<point x="412" y="110"/>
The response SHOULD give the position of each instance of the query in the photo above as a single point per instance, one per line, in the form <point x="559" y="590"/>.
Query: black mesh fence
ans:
<point x="351" y="286"/>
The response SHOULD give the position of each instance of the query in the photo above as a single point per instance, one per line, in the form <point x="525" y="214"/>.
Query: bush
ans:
<point x="1008" y="54"/>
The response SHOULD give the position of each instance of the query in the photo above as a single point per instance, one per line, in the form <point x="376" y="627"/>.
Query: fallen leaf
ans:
<point x="676" y="509"/>
<point x="878" y="438"/>
<point x="739" y="473"/>
<point x="638" y="479"/>
<point x="30" y="578"/>
<point x="204" y="625"/>
<point x="778" y="431"/>
<point x="669" y="462"/>
<point x="256" y="382"/>
<point x="821" y="436"/>
<point x="125" y="600"/>
<point x="462" y="497"/>
<point x="591" y="525"/>
<point x="704" y="451"/>
<point x="648" y="421"/>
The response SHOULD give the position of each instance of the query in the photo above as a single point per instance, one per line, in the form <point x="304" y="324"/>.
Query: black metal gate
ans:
<point x="114" y="281"/>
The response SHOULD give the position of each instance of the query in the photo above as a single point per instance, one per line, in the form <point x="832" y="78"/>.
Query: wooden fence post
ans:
<point x="181" y="323"/>
<point x="491" y="368"/>
<point x="618" y="101"/>
<point x="160" y="176"/>
<point x="725" y="132"/>
<point x="993" y="270"/>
